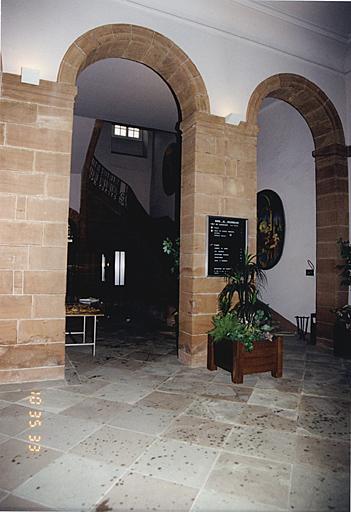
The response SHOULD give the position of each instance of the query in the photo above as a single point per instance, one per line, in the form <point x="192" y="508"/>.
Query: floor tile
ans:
<point x="199" y="431"/>
<point x="234" y="393"/>
<point x="82" y="482"/>
<point x="18" y="463"/>
<point x="274" y="398"/>
<point x="177" y="462"/>
<point x="214" y="409"/>
<point x="211" y="501"/>
<point x="266" y="483"/>
<point x="3" y="438"/>
<point x="52" y="400"/>
<point x="113" y="446"/>
<point x="168" y="401"/>
<point x="61" y="432"/>
<point x="263" y="443"/>
<point x="318" y="490"/>
<point x="14" y="419"/>
<point x="3" y="495"/>
<point x="323" y="453"/>
<point x="287" y="385"/>
<point x="19" y="504"/>
<point x="87" y="388"/>
<point x="324" y="405"/>
<point x="264" y="417"/>
<point x="181" y="384"/>
<point x="129" y="392"/>
<point x="142" y="419"/>
<point x="93" y="409"/>
<point x="144" y="493"/>
<point x="324" y="425"/>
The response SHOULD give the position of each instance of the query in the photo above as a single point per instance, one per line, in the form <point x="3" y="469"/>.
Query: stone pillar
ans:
<point x="35" y="145"/>
<point x="332" y="224"/>
<point x="218" y="178"/>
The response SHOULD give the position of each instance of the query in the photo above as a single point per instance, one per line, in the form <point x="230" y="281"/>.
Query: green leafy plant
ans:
<point x="248" y="319"/>
<point x="171" y="247"/>
<point x="231" y="327"/>
<point x="242" y="284"/>
<point x="345" y="253"/>
<point x="343" y="315"/>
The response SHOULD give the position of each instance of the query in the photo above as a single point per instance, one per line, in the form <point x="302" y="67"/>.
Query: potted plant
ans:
<point x="241" y="340"/>
<point x="342" y="326"/>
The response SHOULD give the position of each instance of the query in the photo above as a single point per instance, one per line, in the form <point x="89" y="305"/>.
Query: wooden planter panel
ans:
<point x="267" y="356"/>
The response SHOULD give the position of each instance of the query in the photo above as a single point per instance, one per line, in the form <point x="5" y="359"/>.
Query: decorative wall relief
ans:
<point x="270" y="228"/>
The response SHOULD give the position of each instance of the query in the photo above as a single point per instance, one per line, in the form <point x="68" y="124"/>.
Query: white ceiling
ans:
<point x="124" y="91"/>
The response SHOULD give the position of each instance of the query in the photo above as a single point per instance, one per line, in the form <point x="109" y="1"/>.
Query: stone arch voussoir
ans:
<point x="331" y="181"/>
<point x="141" y="45"/>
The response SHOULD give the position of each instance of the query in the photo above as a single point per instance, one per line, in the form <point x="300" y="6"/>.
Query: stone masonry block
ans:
<point x="41" y="331"/>
<point x="42" y="281"/>
<point x="14" y="159"/>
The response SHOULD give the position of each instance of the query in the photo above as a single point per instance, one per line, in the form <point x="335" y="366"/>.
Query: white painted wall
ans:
<point x="234" y="44"/>
<point x="82" y="132"/>
<point x="286" y="165"/>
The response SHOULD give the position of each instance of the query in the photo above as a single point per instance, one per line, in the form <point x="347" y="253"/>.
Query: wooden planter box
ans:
<point x="267" y="356"/>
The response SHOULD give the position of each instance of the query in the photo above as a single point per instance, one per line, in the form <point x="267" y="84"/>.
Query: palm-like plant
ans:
<point x="243" y="281"/>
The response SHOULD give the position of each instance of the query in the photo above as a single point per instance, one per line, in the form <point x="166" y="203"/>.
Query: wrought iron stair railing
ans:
<point x="121" y="195"/>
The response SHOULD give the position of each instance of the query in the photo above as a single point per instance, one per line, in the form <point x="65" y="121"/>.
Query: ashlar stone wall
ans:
<point x="35" y="145"/>
<point x="218" y="178"/>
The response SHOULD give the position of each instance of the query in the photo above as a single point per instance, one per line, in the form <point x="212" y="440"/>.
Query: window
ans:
<point x="130" y="132"/>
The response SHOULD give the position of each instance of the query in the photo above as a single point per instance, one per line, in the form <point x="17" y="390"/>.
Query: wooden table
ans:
<point x="84" y="313"/>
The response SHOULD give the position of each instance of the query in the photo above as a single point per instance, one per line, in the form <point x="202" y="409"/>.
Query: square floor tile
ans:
<point x="324" y="405"/>
<point x="52" y="400"/>
<point x="114" y="446"/>
<point x="318" y="490"/>
<point x="144" y="493"/>
<point x="263" y="443"/>
<point x="182" y="384"/>
<point x="323" y="453"/>
<point x="265" y="417"/>
<point x="218" y="410"/>
<point x="70" y="483"/>
<point x="18" y="463"/>
<point x="287" y="385"/>
<point x="87" y="387"/>
<point x="199" y="431"/>
<point x="274" y="398"/>
<point x="177" y="462"/>
<point x="142" y="419"/>
<point x="14" y="419"/>
<point x="230" y="392"/>
<point x="238" y="475"/>
<point x="211" y="501"/>
<point x="324" y="425"/>
<point x="93" y="409"/>
<point x="129" y="392"/>
<point x="19" y="504"/>
<point x="167" y="401"/>
<point x="61" y="432"/>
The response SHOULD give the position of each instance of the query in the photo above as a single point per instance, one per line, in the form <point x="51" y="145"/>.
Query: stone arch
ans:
<point x="331" y="172"/>
<point x="145" y="46"/>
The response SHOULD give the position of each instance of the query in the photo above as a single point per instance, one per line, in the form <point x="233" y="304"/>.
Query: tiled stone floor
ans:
<point x="132" y="429"/>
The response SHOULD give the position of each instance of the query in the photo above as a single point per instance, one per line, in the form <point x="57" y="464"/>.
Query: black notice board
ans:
<point x="226" y="244"/>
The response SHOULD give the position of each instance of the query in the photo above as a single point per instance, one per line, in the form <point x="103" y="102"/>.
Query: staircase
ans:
<point x="120" y="196"/>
